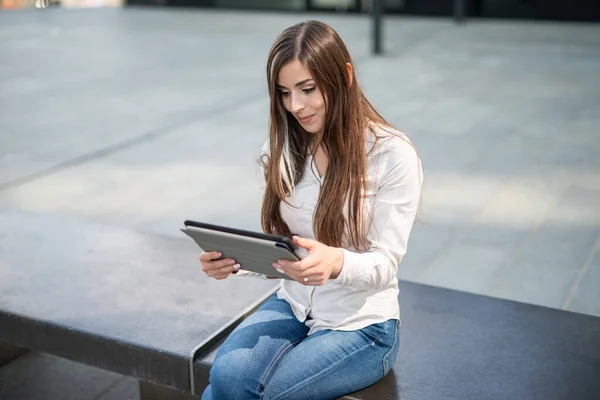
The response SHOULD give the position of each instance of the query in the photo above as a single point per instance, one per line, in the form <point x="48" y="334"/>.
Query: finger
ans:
<point x="309" y="262"/>
<point x="312" y="280"/>
<point x="280" y="270"/>
<point x="306" y="281"/>
<point x="315" y="272"/>
<point x="224" y="271"/>
<point x="305" y="263"/>
<point x="315" y="280"/>
<point x="291" y="273"/>
<point x="221" y="276"/>
<point x="216" y="265"/>
<point x="228" y="262"/>
<point x="308" y="244"/>
<point x="210" y="255"/>
<point x="295" y="275"/>
<point x="286" y="264"/>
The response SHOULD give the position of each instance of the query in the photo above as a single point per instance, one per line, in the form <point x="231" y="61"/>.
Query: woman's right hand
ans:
<point x="215" y="268"/>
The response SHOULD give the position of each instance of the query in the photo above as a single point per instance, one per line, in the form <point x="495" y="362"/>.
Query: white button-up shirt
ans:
<point x="366" y="291"/>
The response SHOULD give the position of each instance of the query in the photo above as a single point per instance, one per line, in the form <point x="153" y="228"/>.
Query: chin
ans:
<point x="313" y="128"/>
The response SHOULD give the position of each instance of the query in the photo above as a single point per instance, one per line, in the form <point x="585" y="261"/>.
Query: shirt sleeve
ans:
<point x="250" y="274"/>
<point x="393" y="214"/>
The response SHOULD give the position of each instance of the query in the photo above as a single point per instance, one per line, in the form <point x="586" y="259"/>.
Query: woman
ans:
<point x="347" y="186"/>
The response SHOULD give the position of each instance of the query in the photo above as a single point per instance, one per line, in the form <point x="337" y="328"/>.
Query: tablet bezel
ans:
<point x="265" y="236"/>
<point x="270" y="247"/>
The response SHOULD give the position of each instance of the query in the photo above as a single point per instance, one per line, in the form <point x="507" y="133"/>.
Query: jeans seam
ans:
<point x="272" y="363"/>
<point x="299" y="385"/>
<point x="387" y="354"/>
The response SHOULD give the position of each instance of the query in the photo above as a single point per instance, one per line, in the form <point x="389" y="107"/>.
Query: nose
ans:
<point x="297" y="104"/>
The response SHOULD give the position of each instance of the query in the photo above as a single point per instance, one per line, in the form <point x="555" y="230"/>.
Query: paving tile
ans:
<point x="47" y="377"/>
<point x="23" y="369"/>
<point x="586" y="298"/>
<point x="124" y="389"/>
<point x="551" y="256"/>
<point x="474" y="258"/>
<point x="465" y="267"/>
<point x="426" y="243"/>
<point x="505" y="238"/>
<point x="546" y="266"/>
<point x="455" y="198"/>
<point x="579" y="205"/>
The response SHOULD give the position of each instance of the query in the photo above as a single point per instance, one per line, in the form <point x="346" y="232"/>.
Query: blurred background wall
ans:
<point x="565" y="10"/>
<point x="571" y="10"/>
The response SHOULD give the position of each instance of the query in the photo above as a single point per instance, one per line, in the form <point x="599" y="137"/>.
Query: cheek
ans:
<point x="286" y="103"/>
<point x="318" y="104"/>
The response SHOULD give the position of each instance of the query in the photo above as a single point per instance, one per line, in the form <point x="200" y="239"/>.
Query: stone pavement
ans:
<point x="145" y="117"/>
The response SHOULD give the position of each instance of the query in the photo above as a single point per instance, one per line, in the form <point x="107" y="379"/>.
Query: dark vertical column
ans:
<point x="376" y="12"/>
<point x="459" y="11"/>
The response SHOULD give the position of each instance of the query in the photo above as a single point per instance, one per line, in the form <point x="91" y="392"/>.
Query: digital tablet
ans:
<point x="254" y="251"/>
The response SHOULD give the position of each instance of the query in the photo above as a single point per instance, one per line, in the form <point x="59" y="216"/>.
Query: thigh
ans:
<point x="330" y="364"/>
<point x="273" y="321"/>
<point x="250" y="353"/>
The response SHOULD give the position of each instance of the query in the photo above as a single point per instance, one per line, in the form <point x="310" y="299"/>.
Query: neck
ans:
<point x="316" y="141"/>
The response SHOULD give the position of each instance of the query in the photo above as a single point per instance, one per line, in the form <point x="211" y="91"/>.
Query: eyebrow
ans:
<point x="297" y="84"/>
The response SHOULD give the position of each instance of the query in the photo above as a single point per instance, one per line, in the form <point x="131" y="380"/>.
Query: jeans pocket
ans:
<point x="374" y="332"/>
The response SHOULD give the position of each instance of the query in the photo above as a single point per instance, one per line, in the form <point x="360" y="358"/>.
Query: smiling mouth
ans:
<point x="306" y="119"/>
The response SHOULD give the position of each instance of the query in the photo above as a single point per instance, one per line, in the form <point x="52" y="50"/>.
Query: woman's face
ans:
<point x="301" y="97"/>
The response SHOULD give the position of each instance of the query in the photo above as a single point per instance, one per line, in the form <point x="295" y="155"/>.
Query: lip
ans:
<point x="306" y="120"/>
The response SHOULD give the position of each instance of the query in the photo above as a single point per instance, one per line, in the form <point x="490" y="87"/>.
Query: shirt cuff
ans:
<point x="246" y="273"/>
<point x="370" y="270"/>
<point x="352" y="261"/>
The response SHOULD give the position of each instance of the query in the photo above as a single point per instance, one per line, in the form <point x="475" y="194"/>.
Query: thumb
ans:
<point x="308" y="244"/>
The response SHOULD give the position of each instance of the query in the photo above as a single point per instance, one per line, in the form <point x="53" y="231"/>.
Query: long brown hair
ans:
<point x="348" y="115"/>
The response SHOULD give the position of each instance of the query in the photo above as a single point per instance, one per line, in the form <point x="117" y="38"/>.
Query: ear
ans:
<point x="350" y="74"/>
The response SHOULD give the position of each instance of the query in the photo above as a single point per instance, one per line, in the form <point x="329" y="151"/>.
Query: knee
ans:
<point x="234" y="380"/>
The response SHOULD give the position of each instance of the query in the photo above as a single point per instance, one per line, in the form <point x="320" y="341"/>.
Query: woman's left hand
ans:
<point x="321" y="264"/>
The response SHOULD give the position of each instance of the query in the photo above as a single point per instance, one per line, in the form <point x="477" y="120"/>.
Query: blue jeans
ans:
<point x="270" y="356"/>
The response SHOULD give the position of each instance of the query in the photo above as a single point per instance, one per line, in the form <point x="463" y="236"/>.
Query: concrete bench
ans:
<point x="138" y="304"/>
<point x="460" y="346"/>
<point x="133" y="303"/>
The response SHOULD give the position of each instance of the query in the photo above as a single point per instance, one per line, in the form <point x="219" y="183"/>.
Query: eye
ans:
<point x="308" y="90"/>
<point x="284" y="94"/>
